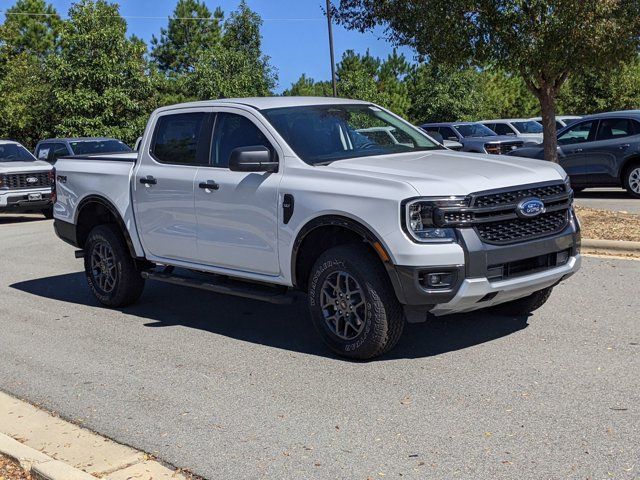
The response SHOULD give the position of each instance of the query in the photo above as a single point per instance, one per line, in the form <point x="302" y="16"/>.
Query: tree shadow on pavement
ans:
<point x="280" y="326"/>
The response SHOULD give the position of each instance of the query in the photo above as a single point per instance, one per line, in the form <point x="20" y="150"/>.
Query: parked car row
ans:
<point x="26" y="179"/>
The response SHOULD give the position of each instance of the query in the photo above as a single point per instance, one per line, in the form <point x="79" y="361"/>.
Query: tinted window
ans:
<point x="233" y="131"/>
<point x="12" y="152"/>
<point x="577" y="133"/>
<point x="612" y="128"/>
<point x="87" y="147"/>
<point x="321" y="134"/>
<point x="58" y="150"/>
<point x="503" y="129"/>
<point x="43" y="151"/>
<point x="474" y="130"/>
<point x="559" y="125"/>
<point x="448" y="133"/>
<point x="176" y="138"/>
<point x="528" y="126"/>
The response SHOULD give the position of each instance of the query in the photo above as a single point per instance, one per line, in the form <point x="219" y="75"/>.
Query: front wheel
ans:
<point x="632" y="180"/>
<point x="525" y="305"/>
<point x="112" y="274"/>
<point x="352" y="303"/>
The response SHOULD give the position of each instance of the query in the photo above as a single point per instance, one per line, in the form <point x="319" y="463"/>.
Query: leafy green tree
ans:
<point x="542" y="41"/>
<point x="308" y="87"/>
<point x="236" y="66"/>
<point x="25" y="102"/>
<point x="191" y="29"/>
<point x="502" y="95"/>
<point x="34" y="34"/>
<point x="99" y="77"/>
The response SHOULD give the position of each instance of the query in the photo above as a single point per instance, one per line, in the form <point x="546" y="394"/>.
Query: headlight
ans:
<point x="419" y="219"/>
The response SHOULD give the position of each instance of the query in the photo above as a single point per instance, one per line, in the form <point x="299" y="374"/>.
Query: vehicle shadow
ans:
<point x="605" y="195"/>
<point x="284" y="327"/>
<point x="6" y="219"/>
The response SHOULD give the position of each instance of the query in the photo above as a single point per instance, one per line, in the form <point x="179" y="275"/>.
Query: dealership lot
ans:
<point x="615" y="199"/>
<point x="232" y="388"/>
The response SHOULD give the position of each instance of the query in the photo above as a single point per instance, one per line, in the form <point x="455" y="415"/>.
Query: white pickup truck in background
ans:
<point x="25" y="183"/>
<point x="258" y="197"/>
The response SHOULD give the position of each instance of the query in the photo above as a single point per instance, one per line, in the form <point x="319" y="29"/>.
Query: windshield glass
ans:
<point x="529" y="126"/>
<point x="474" y="130"/>
<point x="321" y="134"/>
<point x="99" y="146"/>
<point x="12" y="152"/>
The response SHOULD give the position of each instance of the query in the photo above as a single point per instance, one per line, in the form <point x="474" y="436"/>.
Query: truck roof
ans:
<point x="78" y="139"/>
<point x="8" y="142"/>
<point x="263" y="103"/>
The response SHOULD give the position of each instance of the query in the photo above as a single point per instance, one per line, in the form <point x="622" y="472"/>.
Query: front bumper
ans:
<point x="490" y="274"/>
<point x="18" y="200"/>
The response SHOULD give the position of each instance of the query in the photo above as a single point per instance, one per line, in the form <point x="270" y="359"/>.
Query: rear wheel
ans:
<point x="524" y="306"/>
<point x="352" y="303"/>
<point x="113" y="276"/>
<point x="632" y="180"/>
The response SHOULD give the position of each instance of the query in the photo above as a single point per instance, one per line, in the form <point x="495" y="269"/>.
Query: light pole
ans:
<point x="333" y="63"/>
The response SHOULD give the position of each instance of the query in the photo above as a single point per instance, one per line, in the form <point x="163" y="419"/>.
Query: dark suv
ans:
<point x="600" y="150"/>
<point x="52" y="149"/>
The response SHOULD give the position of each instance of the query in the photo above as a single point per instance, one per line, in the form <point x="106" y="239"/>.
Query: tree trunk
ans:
<point x="547" y="97"/>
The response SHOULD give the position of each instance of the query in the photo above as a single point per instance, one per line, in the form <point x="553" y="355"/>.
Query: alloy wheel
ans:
<point x="103" y="266"/>
<point x="634" y="180"/>
<point x="343" y="305"/>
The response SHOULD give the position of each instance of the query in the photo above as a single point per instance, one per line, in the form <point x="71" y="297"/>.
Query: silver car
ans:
<point x="474" y="137"/>
<point x="530" y="131"/>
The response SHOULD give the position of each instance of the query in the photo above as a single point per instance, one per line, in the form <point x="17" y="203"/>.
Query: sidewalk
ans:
<point x="53" y="449"/>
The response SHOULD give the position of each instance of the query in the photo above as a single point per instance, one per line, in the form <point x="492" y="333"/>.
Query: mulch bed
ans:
<point x="12" y="471"/>
<point x="608" y="225"/>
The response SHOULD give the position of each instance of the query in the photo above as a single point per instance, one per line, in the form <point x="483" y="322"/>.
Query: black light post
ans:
<point x="333" y="64"/>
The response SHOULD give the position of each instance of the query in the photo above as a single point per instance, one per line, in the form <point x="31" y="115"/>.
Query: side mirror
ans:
<point x="257" y="158"/>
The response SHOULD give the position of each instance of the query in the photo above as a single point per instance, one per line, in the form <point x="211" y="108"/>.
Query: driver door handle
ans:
<point x="624" y="145"/>
<point x="148" y="180"/>
<point x="209" y="185"/>
<point x="578" y="150"/>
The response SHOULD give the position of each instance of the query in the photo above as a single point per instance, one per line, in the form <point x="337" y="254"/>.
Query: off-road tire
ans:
<point x="525" y="305"/>
<point x="48" y="213"/>
<point x="626" y="179"/>
<point x="128" y="281"/>
<point x="383" y="317"/>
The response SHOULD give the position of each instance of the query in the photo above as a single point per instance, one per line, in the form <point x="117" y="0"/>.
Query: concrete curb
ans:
<point x="613" y="247"/>
<point x="53" y="449"/>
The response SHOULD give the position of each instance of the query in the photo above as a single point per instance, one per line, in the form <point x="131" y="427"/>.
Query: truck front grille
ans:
<point x="15" y="181"/>
<point x="494" y="216"/>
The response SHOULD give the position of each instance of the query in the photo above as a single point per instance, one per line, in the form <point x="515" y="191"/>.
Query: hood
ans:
<point x="444" y="173"/>
<point x="21" y="167"/>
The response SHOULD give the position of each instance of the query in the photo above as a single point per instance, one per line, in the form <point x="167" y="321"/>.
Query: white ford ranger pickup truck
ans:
<point x="258" y="197"/>
<point x="25" y="183"/>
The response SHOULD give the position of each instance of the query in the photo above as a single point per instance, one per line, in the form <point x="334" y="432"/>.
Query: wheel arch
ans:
<point x="327" y="231"/>
<point x="630" y="160"/>
<point x="94" y="210"/>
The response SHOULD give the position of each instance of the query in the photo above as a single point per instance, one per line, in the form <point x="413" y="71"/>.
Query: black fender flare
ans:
<point x="114" y="211"/>
<point x="359" y="229"/>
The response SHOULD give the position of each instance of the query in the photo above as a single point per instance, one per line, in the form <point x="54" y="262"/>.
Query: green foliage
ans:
<point x="25" y="103"/>
<point x="31" y="34"/>
<point x="99" y="80"/>
<point x="191" y="29"/>
<point x="308" y="87"/>
<point x="505" y="96"/>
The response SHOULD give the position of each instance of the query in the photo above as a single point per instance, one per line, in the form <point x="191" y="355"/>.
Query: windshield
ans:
<point x="87" y="147"/>
<point x="12" y="152"/>
<point x="474" y="130"/>
<point x="321" y="134"/>
<point x="528" y="126"/>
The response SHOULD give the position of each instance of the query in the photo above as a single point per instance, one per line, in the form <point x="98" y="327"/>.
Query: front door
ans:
<point x="572" y="147"/>
<point x="163" y="188"/>
<point x="237" y="212"/>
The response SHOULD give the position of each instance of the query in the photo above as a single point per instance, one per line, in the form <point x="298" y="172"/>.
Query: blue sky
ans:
<point x="294" y="32"/>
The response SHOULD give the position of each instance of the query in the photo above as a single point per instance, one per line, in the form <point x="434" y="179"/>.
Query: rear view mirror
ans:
<point x="257" y="158"/>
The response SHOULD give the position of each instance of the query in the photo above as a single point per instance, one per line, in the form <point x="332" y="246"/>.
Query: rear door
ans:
<point x="238" y="216"/>
<point x="573" y="144"/>
<point x="163" y="184"/>
<point x="607" y="152"/>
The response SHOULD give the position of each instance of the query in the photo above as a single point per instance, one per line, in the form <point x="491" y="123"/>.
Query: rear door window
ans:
<point x="503" y="129"/>
<point x="612" y="128"/>
<point x="448" y="133"/>
<point x="182" y="139"/>
<point x="58" y="150"/>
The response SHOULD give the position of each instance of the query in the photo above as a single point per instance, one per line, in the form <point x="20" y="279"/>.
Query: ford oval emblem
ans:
<point x="530" y="207"/>
<point x="32" y="180"/>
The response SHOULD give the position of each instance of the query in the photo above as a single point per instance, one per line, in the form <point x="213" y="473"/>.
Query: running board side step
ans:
<point x="278" y="296"/>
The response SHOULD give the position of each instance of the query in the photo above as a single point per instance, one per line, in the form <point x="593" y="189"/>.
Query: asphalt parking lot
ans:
<point x="615" y="199"/>
<point x="232" y="388"/>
